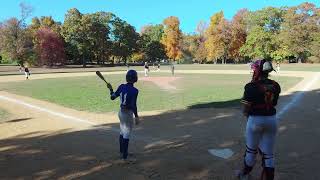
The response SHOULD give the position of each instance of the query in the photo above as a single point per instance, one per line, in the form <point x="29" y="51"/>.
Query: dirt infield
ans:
<point x="41" y="140"/>
<point x="166" y="83"/>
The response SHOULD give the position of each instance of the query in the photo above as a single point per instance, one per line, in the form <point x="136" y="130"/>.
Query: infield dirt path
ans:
<point x="42" y="140"/>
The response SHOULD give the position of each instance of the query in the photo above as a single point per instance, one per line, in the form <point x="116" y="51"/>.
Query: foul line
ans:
<point x="47" y="110"/>
<point x="72" y="118"/>
<point x="297" y="97"/>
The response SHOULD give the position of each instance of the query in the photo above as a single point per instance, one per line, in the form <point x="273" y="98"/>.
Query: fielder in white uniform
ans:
<point x="146" y="69"/>
<point x="27" y="72"/>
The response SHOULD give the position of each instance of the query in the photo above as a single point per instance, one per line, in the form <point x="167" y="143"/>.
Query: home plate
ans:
<point x="222" y="153"/>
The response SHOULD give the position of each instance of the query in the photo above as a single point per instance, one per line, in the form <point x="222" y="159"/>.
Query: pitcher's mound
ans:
<point x="166" y="83"/>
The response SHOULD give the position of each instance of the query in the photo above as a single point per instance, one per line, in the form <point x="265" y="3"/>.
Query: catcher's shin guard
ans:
<point x="121" y="143"/>
<point x="250" y="156"/>
<point x="267" y="173"/>
<point x="125" y="148"/>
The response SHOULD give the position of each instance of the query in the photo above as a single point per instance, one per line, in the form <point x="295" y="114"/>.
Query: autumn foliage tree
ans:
<point x="238" y="34"/>
<point x="218" y="38"/>
<point x="15" y="42"/>
<point x="172" y="37"/>
<point x="274" y="33"/>
<point x="50" y="48"/>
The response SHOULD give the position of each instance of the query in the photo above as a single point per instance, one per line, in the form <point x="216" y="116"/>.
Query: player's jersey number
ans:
<point x="123" y="98"/>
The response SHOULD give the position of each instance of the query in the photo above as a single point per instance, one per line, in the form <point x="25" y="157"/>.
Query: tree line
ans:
<point x="279" y="34"/>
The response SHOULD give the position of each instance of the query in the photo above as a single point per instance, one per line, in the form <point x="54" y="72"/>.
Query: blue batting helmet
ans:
<point x="132" y="76"/>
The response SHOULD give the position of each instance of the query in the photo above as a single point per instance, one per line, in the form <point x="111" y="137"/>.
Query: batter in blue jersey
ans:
<point x="128" y="113"/>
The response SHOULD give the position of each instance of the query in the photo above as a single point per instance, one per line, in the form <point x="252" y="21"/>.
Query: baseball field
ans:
<point x="64" y="126"/>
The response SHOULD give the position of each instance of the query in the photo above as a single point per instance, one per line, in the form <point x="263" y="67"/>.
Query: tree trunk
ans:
<point x="83" y="61"/>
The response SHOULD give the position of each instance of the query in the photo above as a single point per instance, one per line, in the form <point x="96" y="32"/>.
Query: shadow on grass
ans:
<point x="170" y="145"/>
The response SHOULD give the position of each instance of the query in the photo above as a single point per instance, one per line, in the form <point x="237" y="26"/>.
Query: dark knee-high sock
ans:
<point x="121" y="143"/>
<point x="125" y="148"/>
<point x="267" y="173"/>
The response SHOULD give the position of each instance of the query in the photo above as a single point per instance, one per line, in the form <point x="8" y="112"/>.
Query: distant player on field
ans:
<point x="128" y="113"/>
<point x="20" y="68"/>
<point x="27" y="72"/>
<point x="278" y="67"/>
<point x="146" y="69"/>
<point x="172" y="69"/>
<point x="259" y="100"/>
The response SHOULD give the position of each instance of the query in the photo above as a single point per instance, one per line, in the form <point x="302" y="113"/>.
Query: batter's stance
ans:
<point x="128" y="110"/>
<point x="260" y="98"/>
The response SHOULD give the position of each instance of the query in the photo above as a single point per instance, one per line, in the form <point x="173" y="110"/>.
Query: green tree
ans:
<point x="298" y="29"/>
<point x="263" y="29"/>
<point x="72" y="35"/>
<point x="87" y="36"/>
<point x="125" y="39"/>
<point x="97" y="33"/>
<point x="258" y="44"/>
<point x="151" y="45"/>
<point x="153" y="32"/>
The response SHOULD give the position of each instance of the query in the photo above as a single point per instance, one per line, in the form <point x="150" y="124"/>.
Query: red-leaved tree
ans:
<point x="50" y="48"/>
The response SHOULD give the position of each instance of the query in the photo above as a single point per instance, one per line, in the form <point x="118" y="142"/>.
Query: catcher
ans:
<point x="128" y="110"/>
<point x="259" y="100"/>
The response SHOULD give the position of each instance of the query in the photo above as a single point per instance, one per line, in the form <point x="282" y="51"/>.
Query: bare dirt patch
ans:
<point x="166" y="83"/>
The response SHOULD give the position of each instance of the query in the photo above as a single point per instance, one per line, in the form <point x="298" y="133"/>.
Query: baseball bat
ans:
<point x="98" y="73"/>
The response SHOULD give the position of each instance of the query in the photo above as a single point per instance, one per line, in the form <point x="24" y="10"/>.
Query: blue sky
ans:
<point x="142" y="12"/>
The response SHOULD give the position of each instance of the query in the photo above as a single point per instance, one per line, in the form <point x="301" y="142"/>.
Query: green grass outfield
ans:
<point x="90" y="93"/>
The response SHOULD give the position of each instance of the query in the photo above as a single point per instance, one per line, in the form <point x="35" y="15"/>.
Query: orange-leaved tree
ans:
<point x="172" y="37"/>
<point x="213" y="43"/>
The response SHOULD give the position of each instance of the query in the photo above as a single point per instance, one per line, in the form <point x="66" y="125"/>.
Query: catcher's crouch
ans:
<point x="260" y="98"/>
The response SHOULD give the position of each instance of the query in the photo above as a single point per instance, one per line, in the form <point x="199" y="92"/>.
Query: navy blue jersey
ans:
<point x="128" y="97"/>
<point x="256" y="95"/>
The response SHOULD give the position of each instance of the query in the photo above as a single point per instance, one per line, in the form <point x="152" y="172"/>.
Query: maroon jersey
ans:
<point x="262" y="96"/>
